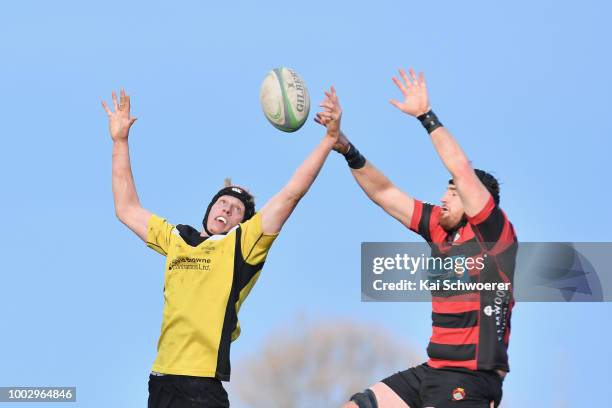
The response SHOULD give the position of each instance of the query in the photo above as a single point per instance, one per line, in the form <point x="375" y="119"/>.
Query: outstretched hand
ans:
<point x="331" y="114"/>
<point x="119" y="120"/>
<point x="330" y="117"/>
<point x="414" y="89"/>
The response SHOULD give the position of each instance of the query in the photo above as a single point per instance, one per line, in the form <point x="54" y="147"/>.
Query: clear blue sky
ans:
<point x="525" y="86"/>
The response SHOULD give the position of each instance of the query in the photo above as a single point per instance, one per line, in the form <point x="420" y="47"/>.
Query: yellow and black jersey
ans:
<point x="205" y="283"/>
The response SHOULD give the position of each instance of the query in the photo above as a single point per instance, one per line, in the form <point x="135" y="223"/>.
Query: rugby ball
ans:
<point x="284" y="99"/>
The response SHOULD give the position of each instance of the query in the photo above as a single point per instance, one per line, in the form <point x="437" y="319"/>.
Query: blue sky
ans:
<point x="524" y="86"/>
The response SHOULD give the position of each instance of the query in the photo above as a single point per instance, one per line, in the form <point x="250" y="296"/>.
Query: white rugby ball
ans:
<point x="284" y="99"/>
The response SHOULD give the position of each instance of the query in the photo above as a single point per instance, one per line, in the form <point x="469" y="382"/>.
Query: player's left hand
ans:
<point x="331" y="114"/>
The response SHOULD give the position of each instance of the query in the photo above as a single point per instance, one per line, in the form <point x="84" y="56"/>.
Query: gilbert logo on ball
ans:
<point x="284" y="99"/>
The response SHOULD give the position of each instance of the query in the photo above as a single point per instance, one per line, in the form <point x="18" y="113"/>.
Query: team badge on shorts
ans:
<point x="458" y="394"/>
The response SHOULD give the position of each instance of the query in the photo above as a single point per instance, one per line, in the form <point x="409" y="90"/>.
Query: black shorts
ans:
<point x="423" y="386"/>
<point x="181" y="391"/>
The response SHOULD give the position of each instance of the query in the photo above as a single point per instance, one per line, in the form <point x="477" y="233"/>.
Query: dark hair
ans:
<point x="489" y="181"/>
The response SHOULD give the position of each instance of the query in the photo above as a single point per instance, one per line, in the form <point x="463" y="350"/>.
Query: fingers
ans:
<point x="323" y="121"/>
<point x="331" y="102"/>
<point x="317" y="119"/>
<point x="330" y="108"/>
<point x="407" y="80"/>
<point x="106" y="108"/>
<point x="331" y="113"/>
<point x="327" y="104"/>
<point x="334" y="95"/>
<point x="335" y="98"/>
<point x="331" y="94"/>
<point x="404" y="77"/>
<point x="326" y="116"/>
<point x="413" y="80"/>
<point x="396" y="103"/>
<point x="416" y="80"/>
<point x="422" y="80"/>
<point x="124" y="102"/>
<point x="413" y="76"/>
<point x="400" y="85"/>
<point x="115" y="104"/>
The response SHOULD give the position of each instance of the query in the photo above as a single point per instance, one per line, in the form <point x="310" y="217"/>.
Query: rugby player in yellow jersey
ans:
<point x="208" y="273"/>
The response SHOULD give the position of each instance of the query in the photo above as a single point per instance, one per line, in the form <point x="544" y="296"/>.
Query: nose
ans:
<point x="444" y="199"/>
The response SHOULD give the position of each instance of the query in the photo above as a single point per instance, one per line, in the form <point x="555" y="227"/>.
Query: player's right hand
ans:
<point x="331" y="114"/>
<point x="119" y="120"/>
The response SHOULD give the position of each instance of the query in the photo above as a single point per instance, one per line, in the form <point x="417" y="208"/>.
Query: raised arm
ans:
<point x="372" y="181"/>
<point x="276" y="211"/>
<point x="473" y="193"/>
<point x="127" y="205"/>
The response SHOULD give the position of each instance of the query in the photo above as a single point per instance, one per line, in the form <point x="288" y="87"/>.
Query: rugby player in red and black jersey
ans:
<point x="468" y="348"/>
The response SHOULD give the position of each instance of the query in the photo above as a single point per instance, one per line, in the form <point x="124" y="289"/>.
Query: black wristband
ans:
<point x="430" y="121"/>
<point x="354" y="159"/>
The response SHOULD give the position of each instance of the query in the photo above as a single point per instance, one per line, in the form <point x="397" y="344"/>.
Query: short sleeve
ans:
<point x="491" y="225"/>
<point x="159" y="232"/>
<point x="254" y="243"/>
<point x="425" y="222"/>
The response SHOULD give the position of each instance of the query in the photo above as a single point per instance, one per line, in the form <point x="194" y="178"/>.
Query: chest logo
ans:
<point x="458" y="394"/>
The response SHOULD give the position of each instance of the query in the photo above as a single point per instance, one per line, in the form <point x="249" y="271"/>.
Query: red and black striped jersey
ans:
<point x="471" y="329"/>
